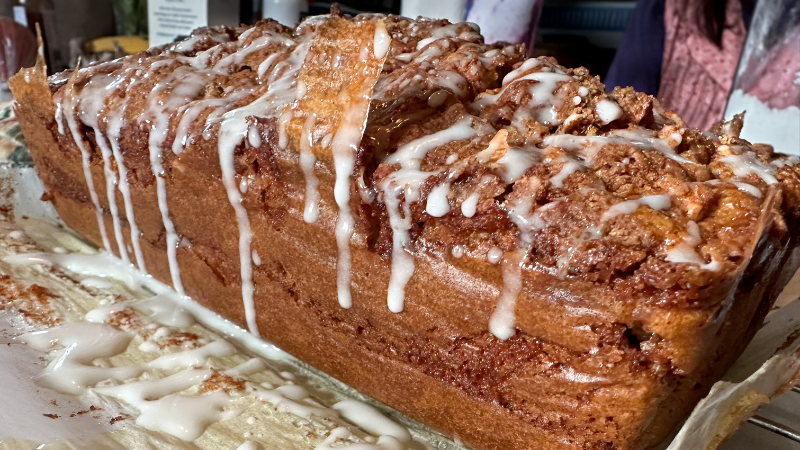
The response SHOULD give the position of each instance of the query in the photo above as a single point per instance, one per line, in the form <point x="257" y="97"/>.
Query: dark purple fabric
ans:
<point x="638" y="59"/>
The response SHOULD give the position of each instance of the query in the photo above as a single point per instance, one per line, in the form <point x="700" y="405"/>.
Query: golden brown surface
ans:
<point x="614" y="343"/>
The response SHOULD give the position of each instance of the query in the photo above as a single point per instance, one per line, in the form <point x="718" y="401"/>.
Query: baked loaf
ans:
<point x="492" y="245"/>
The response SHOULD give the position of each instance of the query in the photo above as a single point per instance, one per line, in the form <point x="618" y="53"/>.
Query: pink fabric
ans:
<point x="696" y="75"/>
<point x="774" y="76"/>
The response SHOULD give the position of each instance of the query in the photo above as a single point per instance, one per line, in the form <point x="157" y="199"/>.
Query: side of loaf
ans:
<point x="492" y="245"/>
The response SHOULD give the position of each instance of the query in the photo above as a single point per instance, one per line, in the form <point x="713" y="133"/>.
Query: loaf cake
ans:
<point x="493" y="245"/>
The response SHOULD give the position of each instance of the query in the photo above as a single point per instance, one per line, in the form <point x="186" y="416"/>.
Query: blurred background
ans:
<point x="705" y="59"/>
<point x="578" y="33"/>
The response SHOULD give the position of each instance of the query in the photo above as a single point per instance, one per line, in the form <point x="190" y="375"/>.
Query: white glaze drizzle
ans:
<point x="187" y="45"/>
<point x="60" y="118"/>
<point x="744" y="165"/>
<point x="194" y="357"/>
<point x="382" y="41"/>
<point x="470" y="205"/>
<point x="249" y="445"/>
<point x="257" y="44"/>
<point x="265" y="65"/>
<point x="344" y="146"/>
<point x="647" y="139"/>
<point x="503" y="320"/>
<point x="607" y="111"/>
<point x="407" y="181"/>
<point x="233" y="129"/>
<point x="69" y="105"/>
<point x="742" y="186"/>
<point x="115" y="121"/>
<point x="78" y="344"/>
<point x="81" y="343"/>
<point x="71" y="371"/>
<point x="229" y="138"/>
<point x="656" y="202"/>
<point x="447" y="32"/>
<point x="249" y="367"/>
<point x="410" y="155"/>
<point x="92" y="101"/>
<point x="494" y="255"/>
<point x="295" y="400"/>
<point x="568" y="169"/>
<point x="452" y="81"/>
<point x="785" y="160"/>
<point x="301" y="90"/>
<point x="190" y="114"/>
<point x="438" y="203"/>
<point x="162" y="402"/>
<point x="684" y="251"/>
<point x="528" y="223"/>
<point x="749" y="188"/>
<point x="402" y="267"/>
<point x="543" y="100"/>
<point x="326" y="140"/>
<point x="182" y="85"/>
<point x="526" y="65"/>
<point x="105" y="265"/>
<point x="111" y="184"/>
<point x="283" y="120"/>
<point x="160" y="308"/>
<point x="182" y="416"/>
<point x="102" y="265"/>
<point x="514" y="163"/>
<point x="254" y="137"/>
<point x="307" y="162"/>
<point x="588" y="146"/>
<point x="572" y="117"/>
<point x="369" y="419"/>
<point x="342" y="433"/>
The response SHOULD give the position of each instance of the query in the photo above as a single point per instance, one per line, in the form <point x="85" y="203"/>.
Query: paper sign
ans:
<point x="20" y="16"/>
<point x="168" y="19"/>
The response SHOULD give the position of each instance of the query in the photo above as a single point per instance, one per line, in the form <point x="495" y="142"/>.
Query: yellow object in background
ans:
<point x="130" y="44"/>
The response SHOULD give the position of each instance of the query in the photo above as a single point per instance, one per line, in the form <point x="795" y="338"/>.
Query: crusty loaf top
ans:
<point x="469" y="150"/>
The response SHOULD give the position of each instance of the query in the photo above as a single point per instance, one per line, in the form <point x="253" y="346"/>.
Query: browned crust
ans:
<point x="416" y="377"/>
